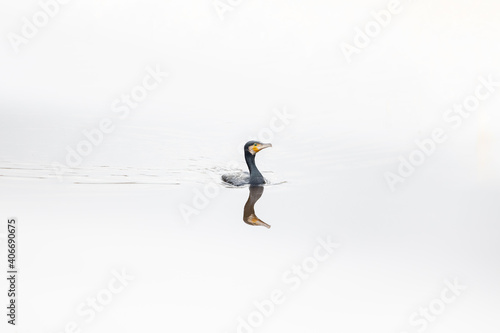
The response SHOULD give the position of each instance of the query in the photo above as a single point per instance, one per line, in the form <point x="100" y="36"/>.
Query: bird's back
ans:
<point x="237" y="178"/>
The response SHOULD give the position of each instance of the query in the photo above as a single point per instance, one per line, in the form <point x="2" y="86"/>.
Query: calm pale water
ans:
<point x="396" y="248"/>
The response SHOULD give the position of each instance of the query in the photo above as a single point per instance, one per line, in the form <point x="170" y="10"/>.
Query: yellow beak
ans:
<point x="262" y="146"/>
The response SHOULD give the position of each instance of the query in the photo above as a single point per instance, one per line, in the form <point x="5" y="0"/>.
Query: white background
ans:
<point x="352" y="120"/>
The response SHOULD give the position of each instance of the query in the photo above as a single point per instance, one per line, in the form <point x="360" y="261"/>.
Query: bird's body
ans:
<point x="237" y="178"/>
<point x="253" y="177"/>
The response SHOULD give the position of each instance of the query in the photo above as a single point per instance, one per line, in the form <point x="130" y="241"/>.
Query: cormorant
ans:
<point x="255" y="177"/>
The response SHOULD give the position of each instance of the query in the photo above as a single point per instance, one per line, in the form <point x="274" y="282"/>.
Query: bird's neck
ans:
<point x="255" y="174"/>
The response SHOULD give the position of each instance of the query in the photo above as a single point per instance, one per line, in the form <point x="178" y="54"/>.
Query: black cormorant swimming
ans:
<point x="254" y="177"/>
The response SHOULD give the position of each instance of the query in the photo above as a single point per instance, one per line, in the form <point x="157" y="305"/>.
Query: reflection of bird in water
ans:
<point x="255" y="177"/>
<point x="249" y="212"/>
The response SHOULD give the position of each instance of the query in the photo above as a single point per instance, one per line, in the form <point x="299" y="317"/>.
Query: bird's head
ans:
<point x="253" y="147"/>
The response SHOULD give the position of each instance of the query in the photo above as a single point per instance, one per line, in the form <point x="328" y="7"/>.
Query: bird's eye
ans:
<point x="255" y="144"/>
